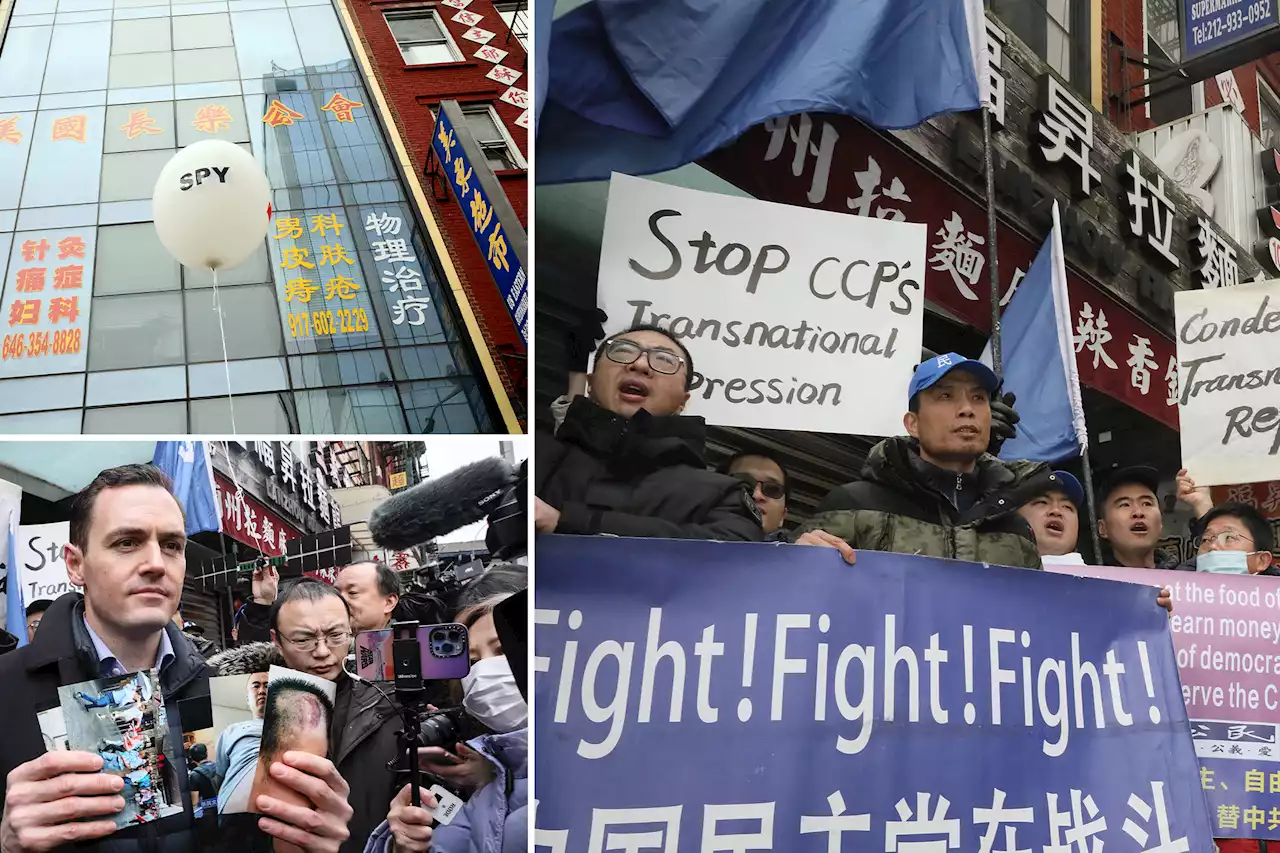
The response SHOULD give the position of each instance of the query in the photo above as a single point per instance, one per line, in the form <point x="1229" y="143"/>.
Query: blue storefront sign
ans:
<point x="1210" y="24"/>
<point x="505" y="264"/>
<point x="743" y="696"/>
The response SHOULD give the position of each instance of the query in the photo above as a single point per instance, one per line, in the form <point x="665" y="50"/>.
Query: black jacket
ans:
<point x="253" y="623"/>
<point x="643" y="477"/>
<point x="362" y="743"/>
<point x="63" y="654"/>
<point x="904" y="505"/>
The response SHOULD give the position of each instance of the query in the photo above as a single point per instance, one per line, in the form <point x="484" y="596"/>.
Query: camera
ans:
<point x="440" y="728"/>
<point x="508" y="536"/>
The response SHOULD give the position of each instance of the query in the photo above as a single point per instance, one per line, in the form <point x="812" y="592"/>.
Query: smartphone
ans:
<point x="443" y="649"/>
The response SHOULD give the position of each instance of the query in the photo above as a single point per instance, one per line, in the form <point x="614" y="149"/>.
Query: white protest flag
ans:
<point x="796" y="318"/>
<point x="1229" y="382"/>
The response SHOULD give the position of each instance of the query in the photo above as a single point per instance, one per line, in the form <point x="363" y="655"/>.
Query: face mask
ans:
<point x="1224" y="562"/>
<point x="491" y="696"/>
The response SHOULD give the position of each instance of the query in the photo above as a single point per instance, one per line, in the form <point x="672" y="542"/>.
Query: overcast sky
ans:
<point x="445" y="454"/>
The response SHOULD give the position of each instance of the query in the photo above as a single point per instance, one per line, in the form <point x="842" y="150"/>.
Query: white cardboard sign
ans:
<point x="796" y="318"/>
<point x="1229" y="382"/>
<point x="41" y="567"/>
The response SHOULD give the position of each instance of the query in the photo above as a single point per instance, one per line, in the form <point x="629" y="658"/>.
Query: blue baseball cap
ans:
<point x="929" y="372"/>
<point x="1067" y="483"/>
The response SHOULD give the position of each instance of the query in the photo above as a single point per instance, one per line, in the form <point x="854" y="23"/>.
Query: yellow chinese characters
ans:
<point x="341" y="287"/>
<point x="288" y="227"/>
<point x="212" y="118"/>
<point x="301" y="289"/>
<point x="9" y="130"/>
<point x="70" y="247"/>
<point x="138" y="124"/>
<point x="278" y="114"/>
<point x="341" y="107"/>
<point x="295" y="257"/>
<point x="446" y="141"/>
<point x="333" y="253"/>
<point x="322" y="222"/>
<point x="70" y="127"/>
<point x="498" y="249"/>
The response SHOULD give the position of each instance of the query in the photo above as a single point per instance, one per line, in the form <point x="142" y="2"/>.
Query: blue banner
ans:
<point x="187" y="464"/>
<point x="477" y="210"/>
<point x="1210" y="24"/>
<point x="742" y="696"/>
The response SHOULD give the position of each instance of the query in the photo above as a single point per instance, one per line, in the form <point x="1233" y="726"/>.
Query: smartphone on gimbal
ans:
<point x="408" y="654"/>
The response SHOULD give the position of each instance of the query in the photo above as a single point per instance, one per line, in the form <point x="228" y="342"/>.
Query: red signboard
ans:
<point x="1265" y="497"/>
<point x="836" y="163"/>
<point x="247" y="520"/>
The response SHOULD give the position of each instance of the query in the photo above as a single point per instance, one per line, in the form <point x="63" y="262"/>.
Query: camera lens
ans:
<point x="437" y="730"/>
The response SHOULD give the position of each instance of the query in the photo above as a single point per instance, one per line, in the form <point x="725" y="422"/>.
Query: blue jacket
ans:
<point x="495" y="819"/>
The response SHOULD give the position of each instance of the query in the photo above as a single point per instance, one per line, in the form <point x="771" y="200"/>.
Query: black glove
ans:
<point x="1004" y="422"/>
<point x="582" y="340"/>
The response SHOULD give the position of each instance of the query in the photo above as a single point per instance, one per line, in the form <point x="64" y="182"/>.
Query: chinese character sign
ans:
<point x="246" y="520"/>
<point x="1229" y="380"/>
<point x="1224" y="628"/>
<point x="477" y="208"/>
<point x="913" y="705"/>
<point x="783" y="305"/>
<point x="47" y="295"/>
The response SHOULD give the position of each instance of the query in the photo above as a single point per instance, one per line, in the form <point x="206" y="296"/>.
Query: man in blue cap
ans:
<point x="937" y="492"/>
<point x="1053" y="511"/>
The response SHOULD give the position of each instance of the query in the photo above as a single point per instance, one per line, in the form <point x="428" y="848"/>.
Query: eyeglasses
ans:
<point x="623" y="351"/>
<point x="1227" y="539"/>
<point x="768" y="488"/>
<point x="336" y="640"/>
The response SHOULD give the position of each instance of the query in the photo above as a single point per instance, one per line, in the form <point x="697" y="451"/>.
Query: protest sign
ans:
<point x="1229" y="378"/>
<point x="764" y="697"/>
<point x="41" y="566"/>
<point x="795" y="318"/>
<point x="1226" y="633"/>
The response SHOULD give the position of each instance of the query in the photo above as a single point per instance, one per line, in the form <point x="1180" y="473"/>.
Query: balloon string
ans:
<point x="226" y="365"/>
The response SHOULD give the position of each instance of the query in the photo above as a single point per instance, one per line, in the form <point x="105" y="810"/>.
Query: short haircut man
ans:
<point x="770" y="486"/>
<point x="372" y="589"/>
<point x="649" y="327"/>
<point x="303" y="589"/>
<point x="1131" y="521"/>
<point x="35" y="612"/>
<point x="1228" y="518"/>
<point x="137" y="474"/>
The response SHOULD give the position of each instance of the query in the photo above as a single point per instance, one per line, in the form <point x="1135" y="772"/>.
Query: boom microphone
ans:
<point x="441" y="505"/>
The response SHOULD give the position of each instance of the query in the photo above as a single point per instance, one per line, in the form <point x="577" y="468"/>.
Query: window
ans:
<point x="423" y="40"/>
<point x="1058" y="31"/>
<point x="492" y="137"/>
<point x="516" y="17"/>
<point x="1269" y="115"/>
<point x="1172" y="102"/>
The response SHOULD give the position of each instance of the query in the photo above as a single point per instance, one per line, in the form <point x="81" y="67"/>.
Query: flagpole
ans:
<point x="993" y="262"/>
<point x="1093" y="506"/>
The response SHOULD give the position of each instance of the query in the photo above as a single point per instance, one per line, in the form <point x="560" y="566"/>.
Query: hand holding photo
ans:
<point x="298" y="711"/>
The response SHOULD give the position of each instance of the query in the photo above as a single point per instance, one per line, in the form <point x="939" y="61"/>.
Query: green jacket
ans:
<point x="904" y="505"/>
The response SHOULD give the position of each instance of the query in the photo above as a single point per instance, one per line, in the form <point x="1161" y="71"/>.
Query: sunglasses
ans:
<point x="768" y="488"/>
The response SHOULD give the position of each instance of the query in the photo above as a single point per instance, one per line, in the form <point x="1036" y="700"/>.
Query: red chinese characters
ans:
<point x="44" y="319"/>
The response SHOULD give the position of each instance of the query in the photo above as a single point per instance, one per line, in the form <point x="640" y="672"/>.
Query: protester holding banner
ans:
<point x="770" y="489"/>
<point x="624" y="461"/>
<point x="1131" y="522"/>
<point x="937" y="493"/>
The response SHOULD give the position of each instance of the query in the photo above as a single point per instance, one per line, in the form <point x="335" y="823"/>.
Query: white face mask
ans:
<point x="491" y="696"/>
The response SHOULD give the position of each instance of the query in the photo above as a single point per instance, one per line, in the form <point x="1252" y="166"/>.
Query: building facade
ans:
<point x="349" y="319"/>
<point x="474" y="52"/>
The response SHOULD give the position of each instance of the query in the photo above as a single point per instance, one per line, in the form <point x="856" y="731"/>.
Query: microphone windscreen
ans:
<point x="441" y="504"/>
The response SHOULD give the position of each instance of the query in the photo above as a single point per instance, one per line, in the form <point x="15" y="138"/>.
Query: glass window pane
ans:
<point x="192" y="31"/>
<point x="427" y="54"/>
<point x="150" y="419"/>
<point x="78" y="57"/>
<point x="132" y="175"/>
<point x="141" y="69"/>
<point x="206" y="65"/>
<point x="429" y="362"/>
<point x="149" y="125"/>
<point x="135" y="331"/>
<point x="143" y="35"/>
<point x="341" y="368"/>
<point x="131" y="259"/>
<point x="320" y="36"/>
<point x="263" y="39"/>
<point x="252" y="271"/>
<point x="250" y="319"/>
<point x="136" y="386"/>
<point x="65" y="171"/>
<point x="439" y="407"/>
<point x="415" y="27"/>
<point x="482" y="126"/>
<point x="247" y="377"/>
<point x="345" y="411"/>
<point x="264" y="413"/>
<point x="212" y="118"/>
<point x="42" y="423"/>
<point x="40" y="393"/>
<point x="13" y="156"/>
<point x="22" y="61"/>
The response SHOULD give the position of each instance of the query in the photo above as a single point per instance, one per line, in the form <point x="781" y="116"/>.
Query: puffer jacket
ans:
<point x="495" y="819"/>
<point x="904" y="505"/>
<point x="643" y="477"/>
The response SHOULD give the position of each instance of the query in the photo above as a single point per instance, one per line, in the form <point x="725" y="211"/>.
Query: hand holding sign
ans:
<point x="211" y="205"/>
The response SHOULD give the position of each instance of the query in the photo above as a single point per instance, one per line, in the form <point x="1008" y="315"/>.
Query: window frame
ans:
<point x="418" y="12"/>
<point x="512" y="148"/>
<point x="515" y="9"/>
<point x="1267" y="95"/>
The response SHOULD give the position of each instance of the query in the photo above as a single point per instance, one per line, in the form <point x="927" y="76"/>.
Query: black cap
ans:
<point x="1142" y="474"/>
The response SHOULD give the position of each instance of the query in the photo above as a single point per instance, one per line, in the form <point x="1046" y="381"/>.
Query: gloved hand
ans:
<point x="583" y="339"/>
<point x="1004" y="422"/>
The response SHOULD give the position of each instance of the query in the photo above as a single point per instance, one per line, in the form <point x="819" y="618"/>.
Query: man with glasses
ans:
<point x="624" y="461"/>
<point x="1237" y="540"/>
<point x="770" y="489"/>
<point x="311" y="625"/>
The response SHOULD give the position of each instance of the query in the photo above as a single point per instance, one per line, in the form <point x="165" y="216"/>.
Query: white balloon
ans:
<point x="210" y="205"/>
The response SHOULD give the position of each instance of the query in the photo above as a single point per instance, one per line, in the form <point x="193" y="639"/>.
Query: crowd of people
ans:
<point x="616" y="455"/>
<point x="127" y="554"/>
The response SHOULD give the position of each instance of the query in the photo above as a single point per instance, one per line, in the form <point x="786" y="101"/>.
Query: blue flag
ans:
<point x="15" y="616"/>
<point x="187" y="464"/>
<point x="750" y="696"/>
<point x="1039" y="361"/>
<point x="643" y="86"/>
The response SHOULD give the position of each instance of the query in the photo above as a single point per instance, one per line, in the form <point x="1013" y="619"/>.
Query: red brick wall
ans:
<point x="411" y="92"/>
